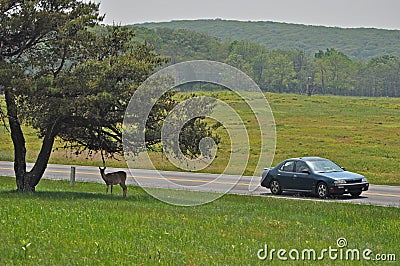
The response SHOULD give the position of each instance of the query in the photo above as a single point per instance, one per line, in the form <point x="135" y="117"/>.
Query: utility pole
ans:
<point x="309" y="93"/>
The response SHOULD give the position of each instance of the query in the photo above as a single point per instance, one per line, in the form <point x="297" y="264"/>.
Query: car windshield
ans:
<point x="324" y="166"/>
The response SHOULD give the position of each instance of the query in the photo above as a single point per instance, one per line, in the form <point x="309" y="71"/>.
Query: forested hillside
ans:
<point x="327" y="71"/>
<point x="358" y="43"/>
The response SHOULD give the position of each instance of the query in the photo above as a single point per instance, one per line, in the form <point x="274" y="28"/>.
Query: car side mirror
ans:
<point x="306" y="171"/>
<point x="344" y="169"/>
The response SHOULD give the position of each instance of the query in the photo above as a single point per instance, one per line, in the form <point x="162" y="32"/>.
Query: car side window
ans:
<point x="287" y="167"/>
<point x="301" y="166"/>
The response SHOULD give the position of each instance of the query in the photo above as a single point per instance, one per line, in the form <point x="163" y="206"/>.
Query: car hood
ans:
<point x="346" y="175"/>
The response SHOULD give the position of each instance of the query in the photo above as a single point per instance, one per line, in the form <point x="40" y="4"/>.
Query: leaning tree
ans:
<point x="70" y="78"/>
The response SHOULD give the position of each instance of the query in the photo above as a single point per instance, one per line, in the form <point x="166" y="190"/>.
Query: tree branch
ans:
<point x="63" y="59"/>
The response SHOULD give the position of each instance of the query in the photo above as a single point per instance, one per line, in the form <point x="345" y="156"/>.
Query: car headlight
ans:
<point x="339" y="182"/>
<point x="364" y="180"/>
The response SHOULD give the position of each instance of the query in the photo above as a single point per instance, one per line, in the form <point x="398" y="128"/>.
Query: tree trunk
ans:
<point x="27" y="181"/>
<point x="42" y="160"/>
<point x="18" y="140"/>
<point x="24" y="184"/>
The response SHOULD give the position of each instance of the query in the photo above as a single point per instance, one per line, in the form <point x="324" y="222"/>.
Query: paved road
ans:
<point x="377" y="195"/>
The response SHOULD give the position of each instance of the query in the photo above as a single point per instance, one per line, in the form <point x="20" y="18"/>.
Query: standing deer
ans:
<point x="114" y="179"/>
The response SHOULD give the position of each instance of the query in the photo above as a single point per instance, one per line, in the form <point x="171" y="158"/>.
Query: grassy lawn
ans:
<point x="361" y="134"/>
<point x="83" y="226"/>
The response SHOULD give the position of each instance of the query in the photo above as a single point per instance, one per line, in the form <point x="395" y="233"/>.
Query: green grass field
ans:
<point x="361" y="134"/>
<point x="59" y="225"/>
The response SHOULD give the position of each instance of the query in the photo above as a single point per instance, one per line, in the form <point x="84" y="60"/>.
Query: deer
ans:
<point x="116" y="178"/>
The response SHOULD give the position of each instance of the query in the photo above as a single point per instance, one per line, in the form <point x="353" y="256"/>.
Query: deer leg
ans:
<point x="111" y="189"/>
<point x="107" y="189"/>
<point x="124" y="188"/>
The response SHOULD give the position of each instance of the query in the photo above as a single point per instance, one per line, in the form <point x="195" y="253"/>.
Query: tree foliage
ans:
<point x="36" y="39"/>
<point x="68" y="79"/>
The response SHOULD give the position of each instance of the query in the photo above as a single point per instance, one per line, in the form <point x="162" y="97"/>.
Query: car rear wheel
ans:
<point x="355" y="194"/>
<point x="322" y="190"/>
<point x="275" y="187"/>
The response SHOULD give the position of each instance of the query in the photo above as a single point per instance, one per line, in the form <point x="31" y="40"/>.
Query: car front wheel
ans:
<point x="322" y="190"/>
<point x="275" y="187"/>
<point x="355" y="194"/>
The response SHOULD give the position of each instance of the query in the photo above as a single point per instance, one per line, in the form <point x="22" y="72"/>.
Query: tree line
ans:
<point x="284" y="71"/>
<point x="358" y="43"/>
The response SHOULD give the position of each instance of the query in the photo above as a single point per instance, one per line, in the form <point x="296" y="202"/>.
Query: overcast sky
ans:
<point x="341" y="13"/>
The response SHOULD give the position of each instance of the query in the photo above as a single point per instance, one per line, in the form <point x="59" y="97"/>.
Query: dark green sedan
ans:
<point x="316" y="175"/>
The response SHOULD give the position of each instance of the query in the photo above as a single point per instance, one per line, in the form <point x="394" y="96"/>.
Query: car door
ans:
<point x="302" y="178"/>
<point x="285" y="174"/>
